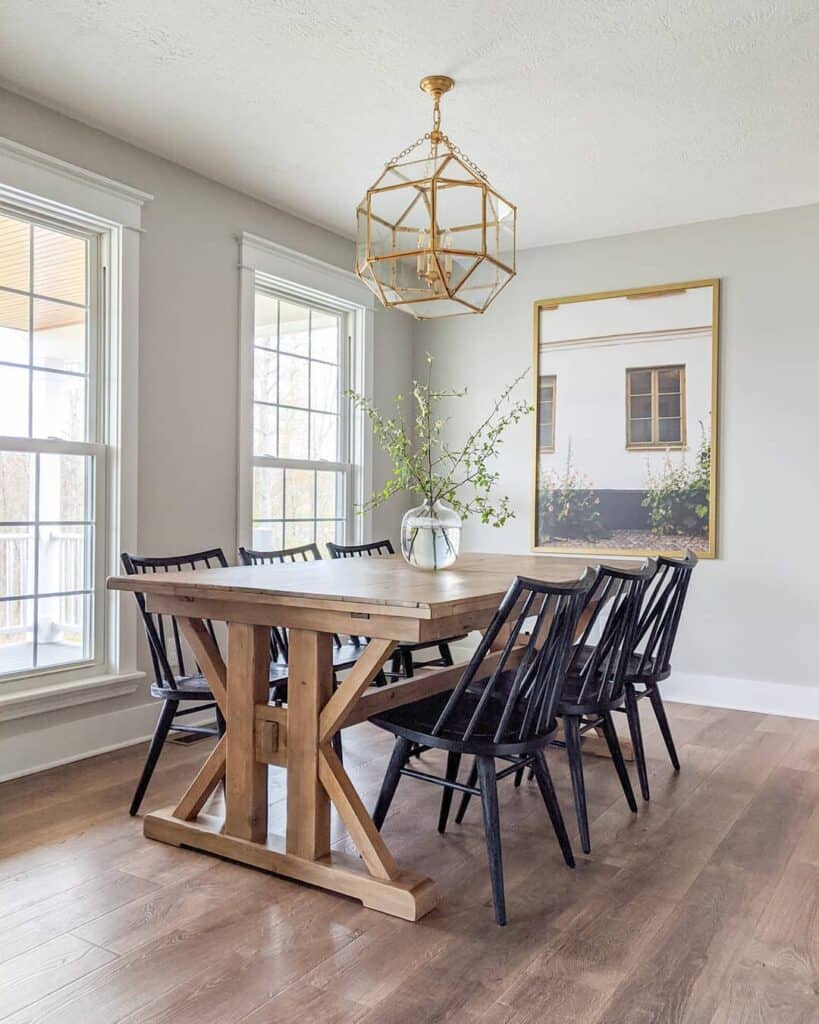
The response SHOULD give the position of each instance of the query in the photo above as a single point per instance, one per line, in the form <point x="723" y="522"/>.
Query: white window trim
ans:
<point x="329" y="285"/>
<point x="42" y="184"/>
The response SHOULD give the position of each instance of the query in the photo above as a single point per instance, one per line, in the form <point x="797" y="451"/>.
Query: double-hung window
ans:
<point x="302" y="462"/>
<point x="52" y="461"/>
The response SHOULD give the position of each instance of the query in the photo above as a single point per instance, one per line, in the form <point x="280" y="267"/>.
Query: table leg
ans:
<point x="248" y="669"/>
<point x="309" y="687"/>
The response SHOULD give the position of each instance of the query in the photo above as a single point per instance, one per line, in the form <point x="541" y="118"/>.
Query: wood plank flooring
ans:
<point x="702" y="908"/>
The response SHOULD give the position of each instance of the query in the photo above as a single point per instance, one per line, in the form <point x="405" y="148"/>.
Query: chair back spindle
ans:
<point x="516" y="701"/>
<point x="613" y="603"/>
<point x="659" y="617"/>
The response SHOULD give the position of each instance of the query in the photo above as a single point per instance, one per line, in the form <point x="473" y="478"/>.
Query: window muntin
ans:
<point x="51" y="466"/>
<point x="301" y="464"/>
<point x="547" y="394"/>
<point x="655" y="407"/>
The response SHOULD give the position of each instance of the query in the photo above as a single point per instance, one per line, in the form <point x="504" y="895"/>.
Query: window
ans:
<point x="546" y="414"/>
<point x="52" y="466"/>
<point x="655" y="407"/>
<point x="302" y="467"/>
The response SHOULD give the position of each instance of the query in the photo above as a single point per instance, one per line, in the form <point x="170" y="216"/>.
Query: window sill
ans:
<point x="53" y="697"/>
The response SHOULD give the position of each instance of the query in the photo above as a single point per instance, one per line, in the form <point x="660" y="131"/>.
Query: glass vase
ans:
<point x="431" y="536"/>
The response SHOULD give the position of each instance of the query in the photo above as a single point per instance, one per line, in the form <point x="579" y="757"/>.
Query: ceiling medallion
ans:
<point x="433" y="237"/>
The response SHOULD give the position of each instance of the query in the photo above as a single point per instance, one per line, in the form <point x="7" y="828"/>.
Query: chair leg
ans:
<point x="396" y="664"/>
<point x="337" y="746"/>
<point x="220" y="723"/>
<point x="491" y="825"/>
<point x="571" y="733"/>
<point x="636" y="732"/>
<point x="163" y="724"/>
<point x="400" y="753"/>
<point x="547" y="791"/>
<point x="446" y="654"/>
<point x="453" y="762"/>
<point x="665" y="729"/>
<point x="406" y="663"/>
<point x="466" y="797"/>
<point x="519" y="775"/>
<point x="617" y="756"/>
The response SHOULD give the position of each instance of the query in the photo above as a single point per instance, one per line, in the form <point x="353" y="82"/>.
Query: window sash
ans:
<point x="92" y="446"/>
<point x="654" y="441"/>
<point x="344" y="465"/>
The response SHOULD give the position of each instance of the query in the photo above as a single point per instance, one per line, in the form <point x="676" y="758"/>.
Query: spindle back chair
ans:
<point x="178" y="682"/>
<point x="503" y="707"/>
<point x="650" y="660"/>
<point x="596" y="677"/>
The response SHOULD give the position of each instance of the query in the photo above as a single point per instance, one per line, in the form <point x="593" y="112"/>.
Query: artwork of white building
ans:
<point x="624" y="393"/>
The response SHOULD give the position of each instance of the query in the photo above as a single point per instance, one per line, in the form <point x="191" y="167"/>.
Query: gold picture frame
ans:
<point x="607" y="544"/>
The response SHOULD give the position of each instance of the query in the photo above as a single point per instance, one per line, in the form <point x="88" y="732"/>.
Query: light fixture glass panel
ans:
<point x="459" y="216"/>
<point x="483" y="284"/>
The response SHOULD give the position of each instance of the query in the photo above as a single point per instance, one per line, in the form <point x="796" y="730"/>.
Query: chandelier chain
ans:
<point x="451" y="146"/>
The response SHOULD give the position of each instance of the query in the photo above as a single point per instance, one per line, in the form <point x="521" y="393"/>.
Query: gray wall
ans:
<point x="189" y="309"/>
<point x="753" y="613"/>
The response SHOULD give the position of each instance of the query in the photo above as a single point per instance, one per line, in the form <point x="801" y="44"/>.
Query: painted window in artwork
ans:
<point x="655" y="407"/>
<point x="546" y="414"/>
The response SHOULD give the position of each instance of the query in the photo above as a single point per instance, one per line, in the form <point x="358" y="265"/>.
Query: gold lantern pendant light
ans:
<point x="433" y="237"/>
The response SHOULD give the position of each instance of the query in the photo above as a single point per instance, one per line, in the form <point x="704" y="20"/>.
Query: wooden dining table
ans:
<point x="382" y="598"/>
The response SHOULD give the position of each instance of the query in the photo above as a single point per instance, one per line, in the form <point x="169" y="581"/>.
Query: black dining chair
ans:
<point x="650" y="661"/>
<point x="505" y="712"/>
<point x="403" y="660"/>
<point x="596" y="676"/>
<point x="178" y="681"/>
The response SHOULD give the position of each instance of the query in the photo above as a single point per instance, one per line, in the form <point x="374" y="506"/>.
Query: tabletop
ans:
<point x="385" y="582"/>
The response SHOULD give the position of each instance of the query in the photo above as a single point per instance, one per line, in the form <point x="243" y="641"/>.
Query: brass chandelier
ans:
<point x="433" y="237"/>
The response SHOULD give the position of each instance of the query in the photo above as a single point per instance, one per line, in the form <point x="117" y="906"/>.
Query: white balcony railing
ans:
<point x="61" y="570"/>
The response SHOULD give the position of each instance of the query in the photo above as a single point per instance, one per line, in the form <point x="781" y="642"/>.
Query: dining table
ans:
<point x="384" y="599"/>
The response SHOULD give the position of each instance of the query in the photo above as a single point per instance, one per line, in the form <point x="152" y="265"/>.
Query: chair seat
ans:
<point x="570" y="703"/>
<point x="196" y="687"/>
<point x="416" y="721"/>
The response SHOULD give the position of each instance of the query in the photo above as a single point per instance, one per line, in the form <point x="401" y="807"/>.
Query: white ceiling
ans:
<point x="596" y="116"/>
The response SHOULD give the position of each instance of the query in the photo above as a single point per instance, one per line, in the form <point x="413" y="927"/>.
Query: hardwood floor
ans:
<point x="702" y="908"/>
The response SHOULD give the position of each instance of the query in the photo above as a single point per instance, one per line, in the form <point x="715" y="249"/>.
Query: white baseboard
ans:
<point x="788" y="699"/>
<point x="37" y="750"/>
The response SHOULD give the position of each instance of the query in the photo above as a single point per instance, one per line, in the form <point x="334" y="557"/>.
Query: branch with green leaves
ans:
<point x="426" y="464"/>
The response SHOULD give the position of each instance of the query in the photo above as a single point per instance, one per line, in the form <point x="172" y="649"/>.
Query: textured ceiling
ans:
<point x="596" y="116"/>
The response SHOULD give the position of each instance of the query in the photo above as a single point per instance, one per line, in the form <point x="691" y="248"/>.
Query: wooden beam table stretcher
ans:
<point x="382" y="598"/>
